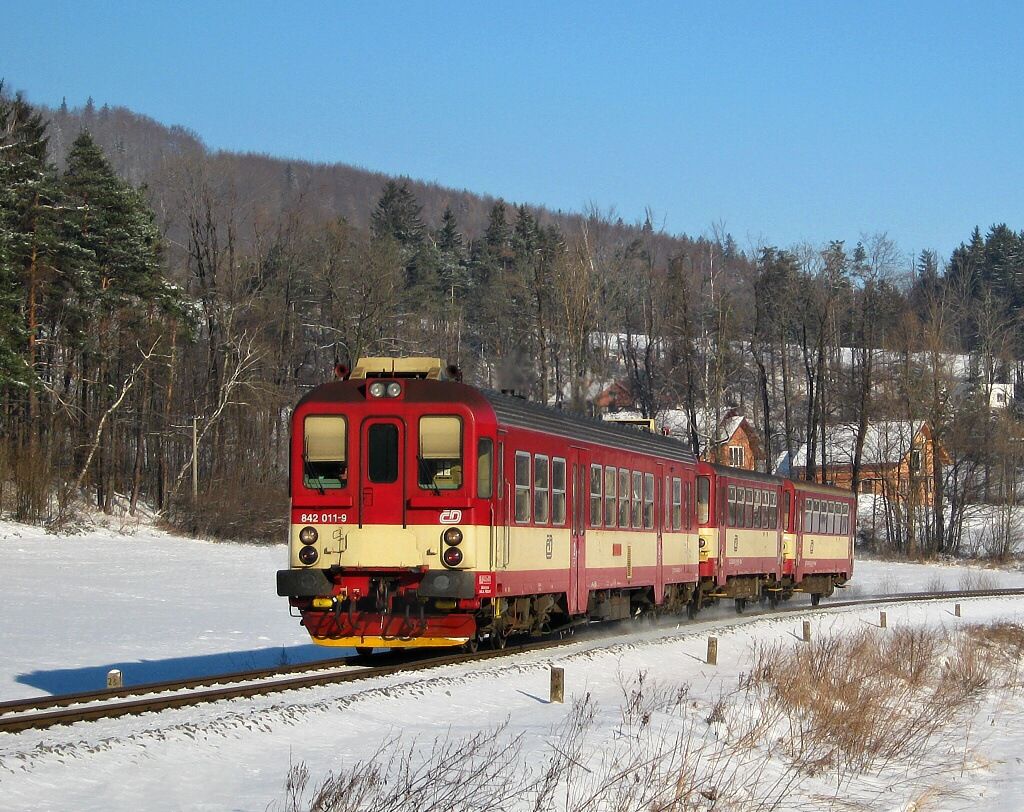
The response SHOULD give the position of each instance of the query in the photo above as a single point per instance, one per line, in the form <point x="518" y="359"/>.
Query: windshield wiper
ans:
<point x="307" y="469"/>
<point x="426" y="477"/>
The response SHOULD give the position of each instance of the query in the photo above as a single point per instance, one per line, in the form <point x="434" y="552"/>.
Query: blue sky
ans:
<point x="783" y="121"/>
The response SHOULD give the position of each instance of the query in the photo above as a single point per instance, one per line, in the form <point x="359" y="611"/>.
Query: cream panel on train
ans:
<point x="679" y="549"/>
<point x="389" y="545"/>
<point x="748" y="543"/>
<point x="536" y="548"/>
<point x="818" y="546"/>
<point x="611" y="548"/>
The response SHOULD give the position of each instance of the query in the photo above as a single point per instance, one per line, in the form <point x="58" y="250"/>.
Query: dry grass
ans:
<point x="808" y="727"/>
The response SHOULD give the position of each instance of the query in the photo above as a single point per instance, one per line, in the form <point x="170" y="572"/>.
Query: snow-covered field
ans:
<point x="158" y="606"/>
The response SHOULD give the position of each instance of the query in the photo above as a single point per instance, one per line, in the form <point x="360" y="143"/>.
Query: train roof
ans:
<point x="518" y="413"/>
<point x="515" y="411"/>
<point x="744" y="473"/>
<point x="815" y="487"/>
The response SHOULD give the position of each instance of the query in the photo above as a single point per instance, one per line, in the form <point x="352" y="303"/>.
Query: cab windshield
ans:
<point x="439" y="460"/>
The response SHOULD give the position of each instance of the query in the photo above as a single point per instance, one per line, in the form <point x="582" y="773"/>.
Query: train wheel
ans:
<point x="773" y="600"/>
<point x="741" y="604"/>
<point x="815" y="598"/>
<point x="472" y="645"/>
<point x="691" y="610"/>
<point x="498" y="641"/>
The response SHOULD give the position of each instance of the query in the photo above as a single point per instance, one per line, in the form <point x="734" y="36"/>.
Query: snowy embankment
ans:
<point x="76" y="606"/>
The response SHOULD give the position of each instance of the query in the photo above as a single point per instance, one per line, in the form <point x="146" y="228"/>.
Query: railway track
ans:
<point x="44" y="712"/>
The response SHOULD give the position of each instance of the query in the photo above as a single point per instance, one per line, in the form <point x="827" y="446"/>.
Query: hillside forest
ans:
<point x="157" y="296"/>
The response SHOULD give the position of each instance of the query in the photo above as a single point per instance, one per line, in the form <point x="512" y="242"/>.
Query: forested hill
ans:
<point x="146" y="152"/>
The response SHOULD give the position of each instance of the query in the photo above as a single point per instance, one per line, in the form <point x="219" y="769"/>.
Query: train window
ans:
<point x="649" y="501"/>
<point x="638" y="484"/>
<point x="690" y="508"/>
<point x="757" y="509"/>
<point x="623" y="497"/>
<point x="666" y="516"/>
<point x="785" y="511"/>
<point x="677" y="503"/>
<point x="703" y="499"/>
<point x="440" y="458"/>
<point x="522" y="487"/>
<point x="807" y="515"/>
<point x="382" y="464"/>
<point x="609" y="496"/>
<point x="558" y="491"/>
<point x="324" y="458"/>
<point x="541" y="486"/>
<point x="485" y="468"/>
<point x="732" y="506"/>
<point x="773" y="510"/>
<point x="595" y="495"/>
<point x="846" y="520"/>
<point x="749" y="519"/>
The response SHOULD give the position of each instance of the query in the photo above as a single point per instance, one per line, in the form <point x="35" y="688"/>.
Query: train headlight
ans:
<point x="308" y="535"/>
<point x="452" y="557"/>
<point x="394" y="389"/>
<point x="377" y="389"/>
<point x="308" y="555"/>
<point x="703" y="544"/>
<point x="452" y="536"/>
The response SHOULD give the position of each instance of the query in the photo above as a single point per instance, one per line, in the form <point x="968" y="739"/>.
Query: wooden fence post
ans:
<point x="557" y="684"/>
<point x="881" y="620"/>
<point x="115" y="679"/>
<point x="712" y="651"/>
<point x="956" y="610"/>
<point x="807" y="631"/>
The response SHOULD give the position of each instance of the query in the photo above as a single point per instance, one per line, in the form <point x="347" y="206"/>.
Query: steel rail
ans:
<point x="36" y="713"/>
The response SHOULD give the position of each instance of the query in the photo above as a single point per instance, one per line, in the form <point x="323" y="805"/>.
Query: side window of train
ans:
<point x="666" y="516"/>
<point x="807" y="515"/>
<point x="638" y="484"/>
<point x="484" y="468"/>
<point x="541" y="489"/>
<point x="846" y="520"/>
<point x="757" y="507"/>
<point x="440" y="458"/>
<point x="648" y="501"/>
<point x="732" y="506"/>
<point x="558" y="491"/>
<point x="522" y="487"/>
<point x="609" y="496"/>
<point x="324" y="452"/>
<point x="749" y="519"/>
<point x="677" y="502"/>
<point x="596" y="477"/>
<point x="703" y="498"/>
<point x="623" y="497"/>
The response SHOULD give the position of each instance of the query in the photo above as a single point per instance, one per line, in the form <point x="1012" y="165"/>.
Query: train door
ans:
<point x="659" y="527"/>
<point x="577" y="590"/>
<point x="503" y="515"/>
<point x="382" y="475"/>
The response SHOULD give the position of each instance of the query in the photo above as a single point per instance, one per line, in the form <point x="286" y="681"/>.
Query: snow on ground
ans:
<point x="154" y="604"/>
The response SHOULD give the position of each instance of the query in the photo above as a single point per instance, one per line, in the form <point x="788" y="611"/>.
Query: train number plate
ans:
<point x="319" y="517"/>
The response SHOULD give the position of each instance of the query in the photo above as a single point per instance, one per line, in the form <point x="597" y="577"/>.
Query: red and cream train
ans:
<point x="426" y="512"/>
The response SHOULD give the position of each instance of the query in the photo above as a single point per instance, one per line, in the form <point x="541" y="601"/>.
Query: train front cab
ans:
<point x="392" y="484"/>
<point x="740" y="534"/>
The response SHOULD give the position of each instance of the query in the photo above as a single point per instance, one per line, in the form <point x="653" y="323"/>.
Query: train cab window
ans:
<point x="541" y="489"/>
<point x="558" y="491"/>
<point x="485" y="468"/>
<point x="703" y="499"/>
<point x="638" y="484"/>
<point x="522" y="487"/>
<point x="382" y="462"/>
<point x="648" y="501"/>
<point x="623" y="497"/>
<point x="440" y="458"/>
<point x="786" y="497"/>
<point x="324" y="459"/>
<point x="609" y="496"/>
<point x="677" y="503"/>
<point x="596" y="476"/>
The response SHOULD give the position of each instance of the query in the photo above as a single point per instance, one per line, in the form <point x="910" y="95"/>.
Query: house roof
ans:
<point x="678" y="424"/>
<point x="885" y="443"/>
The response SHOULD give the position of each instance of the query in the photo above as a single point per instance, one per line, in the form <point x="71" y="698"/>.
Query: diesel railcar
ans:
<point x="426" y="512"/>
